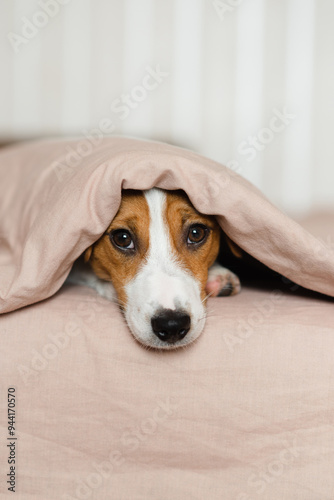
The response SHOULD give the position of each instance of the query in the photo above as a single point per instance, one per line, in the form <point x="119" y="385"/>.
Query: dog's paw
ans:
<point x="222" y="282"/>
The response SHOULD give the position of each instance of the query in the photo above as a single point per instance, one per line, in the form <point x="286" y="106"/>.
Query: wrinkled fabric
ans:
<point x="245" y="412"/>
<point x="58" y="197"/>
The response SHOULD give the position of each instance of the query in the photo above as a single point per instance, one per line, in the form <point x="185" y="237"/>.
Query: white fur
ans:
<point x="162" y="282"/>
<point x="83" y="275"/>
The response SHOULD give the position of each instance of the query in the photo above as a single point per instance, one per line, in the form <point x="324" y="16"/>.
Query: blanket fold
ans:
<point x="57" y="197"/>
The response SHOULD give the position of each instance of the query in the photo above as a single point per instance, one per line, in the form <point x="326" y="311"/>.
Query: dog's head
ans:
<point x="157" y="252"/>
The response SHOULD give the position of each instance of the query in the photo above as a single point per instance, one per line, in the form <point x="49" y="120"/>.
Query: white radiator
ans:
<point x="249" y="83"/>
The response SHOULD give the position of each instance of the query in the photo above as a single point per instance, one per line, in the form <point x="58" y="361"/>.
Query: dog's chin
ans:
<point x="165" y="346"/>
<point x="151" y="341"/>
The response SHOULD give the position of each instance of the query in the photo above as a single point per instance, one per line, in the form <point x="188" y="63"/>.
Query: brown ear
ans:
<point x="237" y="252"/>
<point x="88" y="253"/>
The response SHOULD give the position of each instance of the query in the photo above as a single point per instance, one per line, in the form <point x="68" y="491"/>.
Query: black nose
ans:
<point x="171" y="326"/>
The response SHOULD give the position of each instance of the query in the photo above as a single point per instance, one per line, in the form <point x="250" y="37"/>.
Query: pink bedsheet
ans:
<point x="246" y="412"/>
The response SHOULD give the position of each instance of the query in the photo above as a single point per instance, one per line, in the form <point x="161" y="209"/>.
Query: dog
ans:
<point x="157" y="258"/>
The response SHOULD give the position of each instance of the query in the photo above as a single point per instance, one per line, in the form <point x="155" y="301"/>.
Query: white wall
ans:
<point x="229" y="70"/>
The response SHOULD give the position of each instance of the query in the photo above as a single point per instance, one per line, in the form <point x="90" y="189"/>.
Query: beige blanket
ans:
<point x="244" y="413"/>
<point x="58" y="197"/>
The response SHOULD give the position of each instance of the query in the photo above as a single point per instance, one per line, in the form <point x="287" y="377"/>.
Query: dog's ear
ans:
<point x="88" y="253"/>
<point x="237" y="252"/>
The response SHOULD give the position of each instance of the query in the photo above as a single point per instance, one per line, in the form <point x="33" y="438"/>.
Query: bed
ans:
<point x="245" y="412"/>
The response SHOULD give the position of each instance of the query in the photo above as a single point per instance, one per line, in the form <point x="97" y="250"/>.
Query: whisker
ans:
<point x="121" y="302"/>
<point x="207" y="296"/>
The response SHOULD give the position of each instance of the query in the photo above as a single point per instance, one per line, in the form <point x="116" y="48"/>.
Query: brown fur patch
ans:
<point x="180" y="215"/>
<point x="111" y="264"/>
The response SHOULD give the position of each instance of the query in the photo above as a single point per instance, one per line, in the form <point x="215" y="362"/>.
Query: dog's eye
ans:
<point x="197" y="233"/>
<point x="122" y="239"/>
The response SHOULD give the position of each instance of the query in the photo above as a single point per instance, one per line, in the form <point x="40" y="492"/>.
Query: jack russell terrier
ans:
<point x="157" y="258"/>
